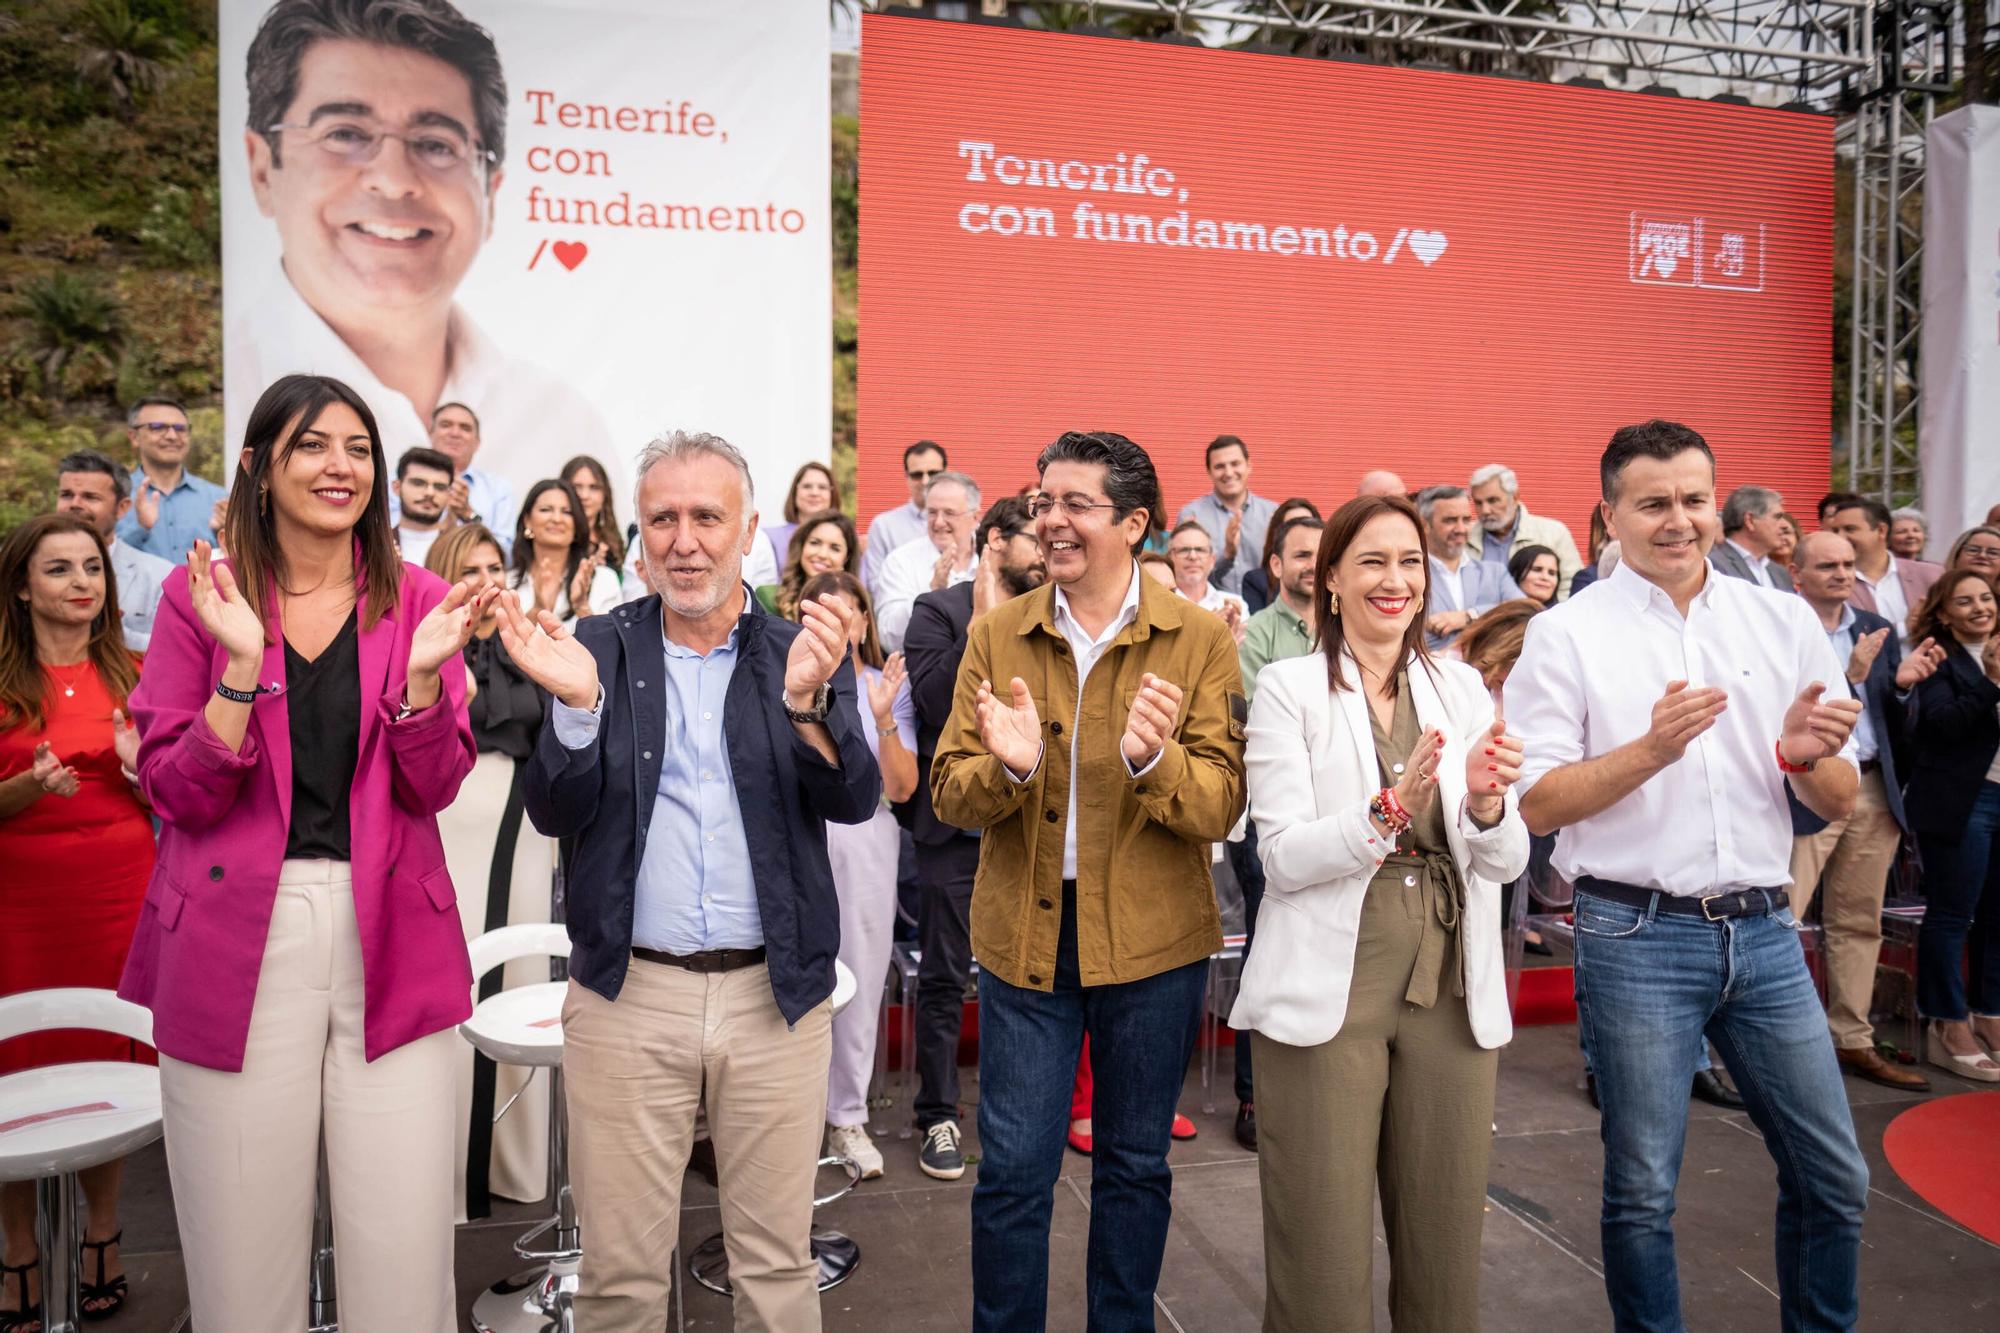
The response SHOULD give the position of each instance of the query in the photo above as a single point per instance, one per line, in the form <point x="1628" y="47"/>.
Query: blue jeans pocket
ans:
<point x="1784" y="917"/>
<point x="1606" y="919"/>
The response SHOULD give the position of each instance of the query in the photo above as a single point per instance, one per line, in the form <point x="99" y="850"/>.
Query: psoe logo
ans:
<point x="1663" y="249"/>
<point x="1694" y="250"/>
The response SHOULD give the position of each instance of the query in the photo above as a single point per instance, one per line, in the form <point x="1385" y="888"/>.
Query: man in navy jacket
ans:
<point x="694" y="749"/>
<point x="1855" y="854"/>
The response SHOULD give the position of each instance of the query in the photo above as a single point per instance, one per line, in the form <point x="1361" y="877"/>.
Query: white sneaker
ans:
<point x="851" y="1142"/>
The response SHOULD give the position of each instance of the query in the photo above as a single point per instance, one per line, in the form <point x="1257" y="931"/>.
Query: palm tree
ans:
<point x="121" y="52"/>
<point x="68" y="314"/>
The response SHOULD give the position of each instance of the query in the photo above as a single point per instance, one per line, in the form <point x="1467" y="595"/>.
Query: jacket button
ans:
<point x="1049" y="815"/>
<point x="1046" y="904"/>
<point x="1034" y="980"/>
<point x="215" y="872"/>
<point x="1056" y="727"/>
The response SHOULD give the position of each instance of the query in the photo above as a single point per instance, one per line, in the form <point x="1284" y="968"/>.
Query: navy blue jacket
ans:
<point x="599" y="799"/>
<point x="1889" y="718"/>
<point x="933" y="645"/>
<point x="1952" y="744"/>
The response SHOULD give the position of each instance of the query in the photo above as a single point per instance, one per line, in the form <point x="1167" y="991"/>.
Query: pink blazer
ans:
<point x="224" y="815"/>
<point x="1916" y="576"/>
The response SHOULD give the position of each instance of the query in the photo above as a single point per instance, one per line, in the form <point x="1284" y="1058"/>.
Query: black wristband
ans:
<point x="243" y="696"/>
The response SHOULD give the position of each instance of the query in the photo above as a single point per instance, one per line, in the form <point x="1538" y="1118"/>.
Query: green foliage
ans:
<point x="183" y="228"/>
<point x="122" y="52"/>
<point x="846" y="320"/>
<point x="74" y="324"/>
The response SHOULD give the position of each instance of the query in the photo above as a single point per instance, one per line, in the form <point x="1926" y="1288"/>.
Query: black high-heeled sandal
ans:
<point x="27" y="1319"/>
<point x="112" y="1291"/>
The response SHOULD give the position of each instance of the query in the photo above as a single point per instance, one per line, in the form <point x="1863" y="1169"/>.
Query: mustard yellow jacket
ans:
<point x="1145" y="899"/>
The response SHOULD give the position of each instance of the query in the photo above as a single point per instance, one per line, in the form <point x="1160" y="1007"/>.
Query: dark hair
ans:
<point x="844" y="582"/>
<point x="282" y="416"/>
<point x="442" y="408"/>
<point x="1273" y="537"/>
<point x="1155" y="558"/>
<point x="432" y="27"/>
<point x="1129" y="480"/>
<point x="1833" y="502"/>
<point x="1274" y="541"/>
<point x="1009" y="513"/>
<point x="1495" y="639"/>
<point x="420" y="456"/>
<point x="1927" y="620"/>
<point x="1341" y="530"/>
<point x="152" y="400"/>
<point x="524" y="545"/>
<point x="1223" y="442"/>
<point x="605" y="529"/>
<point x="448" y="552"/>
<point x="792" y="579"/>
<point x="1599" y="533"/>
<point x="1519" y="563"/>
<point x="792" y="514"/>
<point x="1649" y="439"/>
<point x="921" y="446"/>
<point x="90" y="460"/>
<point x="1877" y="512"/>
<point x="24" y="688"/>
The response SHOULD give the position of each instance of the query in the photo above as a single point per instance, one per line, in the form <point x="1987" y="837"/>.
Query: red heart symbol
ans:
<point x="569" y="253"/>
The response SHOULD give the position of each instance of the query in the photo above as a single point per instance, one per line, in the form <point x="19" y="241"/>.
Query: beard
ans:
<point x="697" y="602"/>
<point x="1018" y="579"/>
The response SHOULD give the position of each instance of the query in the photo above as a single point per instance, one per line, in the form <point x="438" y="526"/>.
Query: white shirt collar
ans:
<point x="1128" y="611"/>
<point x="1642" y="592"/>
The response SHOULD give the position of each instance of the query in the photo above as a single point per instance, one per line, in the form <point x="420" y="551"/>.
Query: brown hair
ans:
<point x="448" y="553"/>
<point x="792" y="514"/>
<point x="844" y="582"/>
<point x="605" y="529"/>
<point x="1342" y="528"/>
<point x="1965" y="539"/>
<point x="24" y="689"/>
<point x="1927" y="621"/>
<point x="792" y="582"/>
<point x="1494" y="640"/>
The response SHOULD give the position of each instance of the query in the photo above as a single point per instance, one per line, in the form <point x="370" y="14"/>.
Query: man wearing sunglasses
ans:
<point x="376" y="137"/>
<point x="891" y="528"/>
<point x="170" y="505"/>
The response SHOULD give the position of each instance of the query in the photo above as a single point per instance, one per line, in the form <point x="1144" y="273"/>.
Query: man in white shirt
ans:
<point x="92" y="487"/>
<point x="376" y="139"/>
<point x="1662" y="719"/>
<point x="423" y="483"/>
<point x="941" y="557"/>
<point x="1193" y="556"/>
<point x="1461" y="588"/>
<point x="1753" y="522"/>
<point x="893" y="529"/>
<point x="1889" y="587"/>
<point x="1505" y="525"/>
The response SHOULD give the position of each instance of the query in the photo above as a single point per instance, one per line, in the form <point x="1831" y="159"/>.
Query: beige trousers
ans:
<point x="634" y="1074"/>
<point x="1400" y="1099"/>
<point x="1854" y="855"/>
<point x="243" y="1149"/>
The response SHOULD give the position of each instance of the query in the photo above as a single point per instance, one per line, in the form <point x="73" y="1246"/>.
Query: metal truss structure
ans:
<point x="1879" y="65"/>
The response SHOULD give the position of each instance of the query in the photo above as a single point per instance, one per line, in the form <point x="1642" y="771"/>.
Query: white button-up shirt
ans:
<point x="1715" y="820"/>
<point x="1890" y="603"/>
<point x="891" y="530"/>
<point x="140" y="576"/>
<point x="904" y="577"/>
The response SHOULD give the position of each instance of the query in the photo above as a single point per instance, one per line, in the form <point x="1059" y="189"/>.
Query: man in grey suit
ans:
<point x="1460" y="588"/>
<point x="1753" y="520"/>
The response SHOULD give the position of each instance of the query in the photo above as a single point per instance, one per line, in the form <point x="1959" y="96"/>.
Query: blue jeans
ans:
<point x="1141" y="1036"/>
<point x="1962" y="916"/>
<point x="1649" y="987"/>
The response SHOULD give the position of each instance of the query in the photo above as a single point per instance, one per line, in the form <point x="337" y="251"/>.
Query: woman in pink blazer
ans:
<point x="302" y="720"/>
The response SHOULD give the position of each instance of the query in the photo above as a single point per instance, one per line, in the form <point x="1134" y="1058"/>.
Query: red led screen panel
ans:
<point x="1348" y="266"/>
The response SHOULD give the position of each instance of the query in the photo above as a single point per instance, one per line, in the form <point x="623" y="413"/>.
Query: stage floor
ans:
<point x="1919" y="1270"/>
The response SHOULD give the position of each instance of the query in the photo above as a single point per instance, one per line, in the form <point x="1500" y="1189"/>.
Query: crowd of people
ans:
<point x="288" y="747"/>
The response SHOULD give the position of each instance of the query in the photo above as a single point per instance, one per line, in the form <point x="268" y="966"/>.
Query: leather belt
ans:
<point x="708" y="960"/>
<point x="1713" y="907"/>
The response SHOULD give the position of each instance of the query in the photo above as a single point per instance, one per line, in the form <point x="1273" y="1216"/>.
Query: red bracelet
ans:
<point x="1785" y="765"/>
<point x="1394" y="815"/>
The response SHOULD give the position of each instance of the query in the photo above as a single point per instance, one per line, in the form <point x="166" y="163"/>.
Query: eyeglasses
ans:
<point x="1981" y="552"/>
<point x="924" y="474"/>
<point x="163" y="427"/>
<point x="1072" y="506"/>
<point x="356" y="143"/>
<point x="946" y="513"/>
<point x="1178" y="551"/>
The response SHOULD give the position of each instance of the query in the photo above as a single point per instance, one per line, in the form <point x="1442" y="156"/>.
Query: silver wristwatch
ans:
<point x="822" y="705"/>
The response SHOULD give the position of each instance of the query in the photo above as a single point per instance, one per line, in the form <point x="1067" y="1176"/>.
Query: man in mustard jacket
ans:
<point x="1096" y="739"/>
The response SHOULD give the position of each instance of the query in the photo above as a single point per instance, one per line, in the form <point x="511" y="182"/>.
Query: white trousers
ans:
<point x="243" y="1149"/>
<point x="864" y="875"/>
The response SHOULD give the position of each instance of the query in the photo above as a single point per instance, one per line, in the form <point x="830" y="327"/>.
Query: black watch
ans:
<point x="822" y="705"/>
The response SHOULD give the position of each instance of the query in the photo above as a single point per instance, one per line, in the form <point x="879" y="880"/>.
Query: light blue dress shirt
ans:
<point x="183" y="517"/>
<point x="695" y="890"/>
<point x="1842" y="639"/>
<point x="140" y="577"/>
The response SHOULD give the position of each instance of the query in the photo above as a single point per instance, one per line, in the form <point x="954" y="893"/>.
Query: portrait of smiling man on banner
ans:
<point x="376" y="139"/>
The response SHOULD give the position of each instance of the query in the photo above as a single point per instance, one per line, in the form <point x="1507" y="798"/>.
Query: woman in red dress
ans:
<point x="76" y="846"/>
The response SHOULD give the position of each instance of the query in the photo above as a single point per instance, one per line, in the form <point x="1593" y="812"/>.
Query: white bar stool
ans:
<point x="62" y="1119"/>
<point x="523" y="1026"/>
<point x="837" y="1253"/>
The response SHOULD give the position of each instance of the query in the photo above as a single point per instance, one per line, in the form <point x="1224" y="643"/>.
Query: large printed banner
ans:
<point x="1960" y="432"/>
<point x="1348" y="266"/>
<point x="588" y="220"/>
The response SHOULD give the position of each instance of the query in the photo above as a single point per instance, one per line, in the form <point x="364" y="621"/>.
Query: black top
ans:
<point x="323" y="703"/>
<point x="507" y="710"/>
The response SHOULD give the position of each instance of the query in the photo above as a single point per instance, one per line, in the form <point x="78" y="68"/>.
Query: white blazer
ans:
<point x="1311" y="763"/>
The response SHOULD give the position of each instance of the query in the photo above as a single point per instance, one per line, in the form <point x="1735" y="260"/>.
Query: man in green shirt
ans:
<point x="1283" y="629"/>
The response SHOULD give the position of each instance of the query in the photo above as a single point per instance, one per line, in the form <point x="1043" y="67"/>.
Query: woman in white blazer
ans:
<point x="1380" y="781"/>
